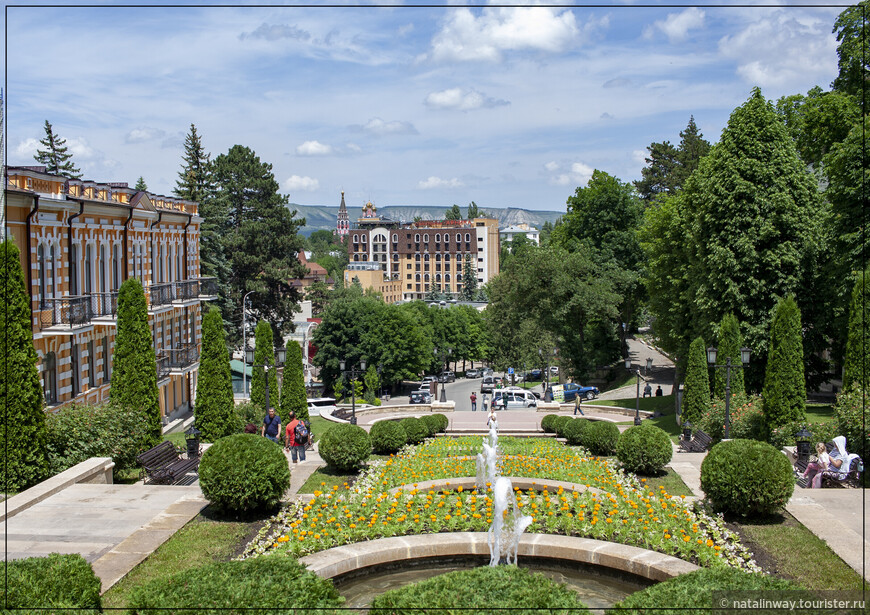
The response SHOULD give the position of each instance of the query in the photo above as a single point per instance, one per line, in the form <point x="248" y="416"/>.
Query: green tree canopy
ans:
<point x="56" y="156"/>
<point x="194" y="178"/>
<point x="856" y="367"/>
<point x="264" y="354"/>
<point x="140" y="184"/>
<point x="817" y="121"/>
<point x="729" y="344"/>
<point x="851" y="28"/>
<point x="784" y="391"/>
<point x="668" y="166"/>
<point x="454" y="213"/>
<point x="469" y="280"/>
<point x="293" y="398"/>
<point x="474" y="211"/>
<point x="696" y="396"/>
<point x="215" y="406"/>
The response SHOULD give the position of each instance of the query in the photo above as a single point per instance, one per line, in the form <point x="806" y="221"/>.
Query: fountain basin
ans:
<point x="643" y="563"/>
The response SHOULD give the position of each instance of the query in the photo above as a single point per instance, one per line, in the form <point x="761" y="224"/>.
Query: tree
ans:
<point x="696" y="396"/>
<point x="264" y="354"/>
<point x="215" y="405"/>
<point x="194" y="179"/>
<point x="817" y="121"/>
<point x="141" y="186"/>
<point x="318" y="293"/>
<point x="851" y="27"/>
<point x="134" y="364"/>
<point x="729" y="346"/>
<point x="372" y="382"/>
<point x="453" y="213"/>
<point x="469" y="280"/>
<point x="693" y="147"/>
<point x="668" y="167"/>
<point x="293" y="398"/>
<point x="856" y="367"/>
<point x="56" y="156"/>
<point x="784" y="391"/>
<point x="24" y="435"/>
<point x="474" y="211"/>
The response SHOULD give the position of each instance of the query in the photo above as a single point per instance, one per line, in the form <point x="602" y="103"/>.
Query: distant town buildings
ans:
<point x="531" y="233"/>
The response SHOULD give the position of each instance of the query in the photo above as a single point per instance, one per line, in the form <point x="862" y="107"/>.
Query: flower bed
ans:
<point x="628" y="512"/>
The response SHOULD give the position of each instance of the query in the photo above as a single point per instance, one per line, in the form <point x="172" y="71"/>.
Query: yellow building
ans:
<point x="79" y="240"/>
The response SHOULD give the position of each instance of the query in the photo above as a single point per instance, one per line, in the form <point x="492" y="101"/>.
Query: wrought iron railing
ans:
<point x="160" y="294"/>
<point x="187" y="290"/>
<point x="162" y="366"/>
<point x="183" y="356"/>
<point x="208" y="287"/>
<point x="104" y="304"/>
<point x="67" y="311"/>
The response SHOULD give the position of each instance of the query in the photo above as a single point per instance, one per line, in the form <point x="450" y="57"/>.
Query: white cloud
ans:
<point x="80" y="149"/>
<point x="313" y="148"/>
<point x="27" y="149"/>
<point x="436" y="182"/>
<point x="406" y="29"/>
<point x="496" y="30"/>
<point x="552" y="166"/>
<point x="274" y="32"/>
<point x="353" y="147"/>
<point x="676" y="26"/>
<point x="295" y="182"/>
<point x="639" y="156"/>
<point x="378" y="127"/>
<point x="576" y="174"/>
<point x="757" y="50"/>
<point x="462" y="100"/>
<point x="141" y="135"/>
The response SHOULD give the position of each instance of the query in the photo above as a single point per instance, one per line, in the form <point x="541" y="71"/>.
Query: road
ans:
<point x="459" y="392"/>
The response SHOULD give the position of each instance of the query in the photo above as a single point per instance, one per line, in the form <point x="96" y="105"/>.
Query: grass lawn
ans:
<point x="664" y="404"/>
<point x="671" y="481"/>
<point x="820" y="413"/>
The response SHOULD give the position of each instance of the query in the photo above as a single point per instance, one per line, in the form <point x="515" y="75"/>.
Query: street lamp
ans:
<point x="280" y="357"/>
<point x="353" y="374"/>
<point x="245" y="346"/>
<point x="443" y="356"/>
<point x="548" y="392"/>
<point x="639" y="378"/>
<point x="744" y="359"/>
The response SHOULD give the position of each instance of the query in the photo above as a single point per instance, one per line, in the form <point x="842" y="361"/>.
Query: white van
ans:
<point x="513" y="398"/>
<point x="321" y="405"/>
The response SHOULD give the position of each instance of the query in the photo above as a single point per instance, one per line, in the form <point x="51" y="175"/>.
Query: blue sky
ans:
<point x="403" y="105"/>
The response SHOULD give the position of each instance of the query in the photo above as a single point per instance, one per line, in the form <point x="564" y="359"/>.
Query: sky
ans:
<point x="402" y="104"/>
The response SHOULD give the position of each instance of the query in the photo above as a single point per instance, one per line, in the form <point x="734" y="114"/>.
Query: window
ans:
<point x="458" y="277"/>
<point x="409" y="266"/>
<point x="458" y="237"/>
<point x="446" y="238"/>
<point x="89" y="270"/>
<point x="426" y="238"/>
<point x="417" y="238"/>
<point x="49" y="378"/>
<point x="40" y="258"/>
<point x="426" y="278"/>
<point x="426" y="257"/>
<point x="364" y="238"/>
<point x="92" y="366"/>
<point x="107" y="360"/>
<point x="438" y="258"/>
<point x="160" y="271"/>
<point x="74" y="269"/>
<point x="480" y="250"/>
<point x="179" y="263"/>
<point x="467" y="237"/>
<point x="395" y="238"/>
<point x="408" y="277"/>
<point x="446" y="277"/>
<point x="437" y="237"/>
<point x="116" y="267"/>
<point x="438" y="277"/>
<point x="480" y="238"/>
<point x="104" y="282"/>
<point x="417" y="277"/>
<point x="458" y="258"/>
<point x="76" y="374"/>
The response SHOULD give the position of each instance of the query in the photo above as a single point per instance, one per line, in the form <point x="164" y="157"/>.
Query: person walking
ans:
<point x="473" y="402"/>
<point x="271" y="427"/>
<point x="577" y="407"/>
<point x="293" y="438"/>
<point x="485" y="402"/>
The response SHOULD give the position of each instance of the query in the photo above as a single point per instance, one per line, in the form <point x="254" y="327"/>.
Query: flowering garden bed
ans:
<point x="626" y="512"/>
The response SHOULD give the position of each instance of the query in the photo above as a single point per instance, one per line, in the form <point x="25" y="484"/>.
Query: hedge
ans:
<point x="345" y="447"/>
<point x="387" y="437"/>
<point x="53" y="582"/>
<point x="600" y="437"/>
<point x="644" y="449"/>
<point x="415" y="429"/>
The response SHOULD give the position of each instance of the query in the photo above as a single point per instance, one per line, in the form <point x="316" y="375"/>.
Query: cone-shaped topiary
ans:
<point x="784" y="392"/>
<point x="264" y="354"/>
<point x="215" y="406"/>
<point x="856" y="366"/>
<point x="345" y="447"/>
<point x="729" y="345"/>
<point x="23" y="426"/>
<point x="387" y="437"/>
<point x="644" y="449"/>
<point x="697" y="390"/>
<point x="293" y="398"/>
<point x="134" y="366"/>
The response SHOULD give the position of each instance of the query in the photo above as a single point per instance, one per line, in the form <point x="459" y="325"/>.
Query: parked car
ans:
<point x="554" y="369"/>
<point x="472" y="373"/>
<point x="573" y="390"/>
<point x="447" y="376"/>
<point x="487" y="384"/>
<point x="420" y="397"/>
<point x="427" y="381"/>
<point x="534" y="374"/>
<point x="512" y="398"/>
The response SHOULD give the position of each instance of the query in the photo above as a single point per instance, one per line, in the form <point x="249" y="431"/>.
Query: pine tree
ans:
<point x="784" y="390"/>
<point x="293" y="398"/>
<point x="56" y="156"/>
<point x="264" y="354"/>
<point x="729" y="345"/>
<point x="24" y="437"/>
<point x="215" y="406"/>
<point x="856" y="367"/>
<point x="141" y="186"/>
<point x="134" y="367"/>
<point x="194" y="179"/>
<point x="469" y="280"/>
<point x="696" y="396"/>
<point x="693" y="147"/>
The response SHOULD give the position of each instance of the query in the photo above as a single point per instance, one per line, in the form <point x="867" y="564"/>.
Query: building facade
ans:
<point x="531" y="233"/>
<point x="79" y="241"/>
<point x="414" y="258"/>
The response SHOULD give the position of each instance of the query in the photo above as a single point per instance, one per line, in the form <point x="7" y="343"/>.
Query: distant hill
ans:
<point x="324" y="217"/>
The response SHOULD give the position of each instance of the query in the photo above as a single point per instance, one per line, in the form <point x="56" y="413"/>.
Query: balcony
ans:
<point x="208" y="289"/>
<point x="160" y="295"/>
<point x="104" y="308"/>
<point x="163" y="370"/>
<point x="186" y="292"/>
<point x="65" y="315"/>
<point x="183" y="359"/>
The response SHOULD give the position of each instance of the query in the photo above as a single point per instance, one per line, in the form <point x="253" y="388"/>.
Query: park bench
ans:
<point x="163" y="464"/>
<point x="699" y="443"/>
<point x="831" y="479"/>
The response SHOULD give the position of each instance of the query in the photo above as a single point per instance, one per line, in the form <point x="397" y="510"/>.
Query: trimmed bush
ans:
<point x="387" y="437"/>
<point x="53" y="582"/>
<point x="293" y="397"/>
<point x="856" y="363"/>
<point x="696" y="398"/>
<point x="692" y="593"/>
<point x="600" y="437"/>
<point x="443" y="422"/>
<point x="215" y="416"/>
<point x="345" y="447"/>
<point x="784" y="392"/>
<point x="244" y="472"/>
<point x="547" y="423"/>
<point x="746" y="478"/>
<point x="415" y="429"/>
<point x="264" y="354"/>
<point x="558" y="424"/>
<point x="279" y="584"/>
<point x="481" y="590"/>
<point x="644" y="449"/>
<point x="77" y="433"/>
<point x="574" y="430"/>
<point x="432" y="423"/>
<point x="249" y="412"/>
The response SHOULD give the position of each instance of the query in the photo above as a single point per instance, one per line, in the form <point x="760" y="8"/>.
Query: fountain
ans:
<point x="486" y="460"/>
<point x="507" y="524"/>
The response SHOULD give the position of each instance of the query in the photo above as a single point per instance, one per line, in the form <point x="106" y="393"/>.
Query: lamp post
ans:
<point x="353" y="374"/>
<point x="744" y="360"/>
<point x="245" y="347"/>
<point x="548" y="392"/>
<point x="804" y="446"/>
<point x="443" y="357"/>
<point x="639" y="378"/>
<point x="280" y="357"/>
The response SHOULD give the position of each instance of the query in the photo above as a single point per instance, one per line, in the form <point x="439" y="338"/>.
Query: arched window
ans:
<point x="438" y="238"/>
<point x="89" y="269"/>
<point x="426" y="238"/>
<point x="365" y="238"/>
<point x="417" y="238"/>
<point x="467" y="237"/>
<point x="438" y="277"/>
<point x="458" y="277"/>
<point x="426" y="278"/>
<point x="446" y="277"/>
<point x="417" y="257"/>
<point x="40" y="259"/>
<point x="437" y="258"/>
<point x="417" y="277"/>
<point x="446" y="237"/>
<point x="356" y="257"/>
<point x="426" y="257"/>
<point x="458" y="258"/>
<point x="395" y="238"/>
<point x="49" y="378"/>
<point x="458" y="237"/>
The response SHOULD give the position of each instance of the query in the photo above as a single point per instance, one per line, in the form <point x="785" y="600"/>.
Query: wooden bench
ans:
<point x="163" y="464"/>
<point x="699" y="443"/>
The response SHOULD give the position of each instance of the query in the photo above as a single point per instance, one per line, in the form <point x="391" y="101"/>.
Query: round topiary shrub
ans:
<point x="244" y="472"/>
<point x="644" y="449"/>
<point x="600" y="437"/>
<point x="344" y="447"/>
<point x="558" y="423"/>
<point x="547" y="423"/>
<point x="277" y="583"/>
<point x="574" y="430"/>
<point x="415" y="429"/>
<point x="693" y="592"/>
<point x="485" y="589"/>
<point x="387" y="437"/>
<point x="746" y="478"/>
<point x="443" y="422"/>
<point x="431" y="422"/>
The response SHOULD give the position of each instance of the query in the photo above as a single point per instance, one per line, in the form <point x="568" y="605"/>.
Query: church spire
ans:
<point x="342" y="225"/>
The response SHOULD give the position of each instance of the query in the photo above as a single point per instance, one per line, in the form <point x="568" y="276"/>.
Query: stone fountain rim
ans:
<point x="644" y="563"/>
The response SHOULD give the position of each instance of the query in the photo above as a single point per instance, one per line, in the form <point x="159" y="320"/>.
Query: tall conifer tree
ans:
<point x="469" y="280"/>
<point x="856" y="367"/>
<point x="696" y="396"/>
<point x="193" y="181"/>
<point x="56" y="155"/>
<point x="215" y="406"/>
<point x="24" y="437"/>
<point x="293" y="398"/>
<point x="264" y="354"/>
<point x="784" y="392"/>
<point x="729" y="345"/>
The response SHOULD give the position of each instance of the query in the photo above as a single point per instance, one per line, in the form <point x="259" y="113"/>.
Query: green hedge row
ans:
<point x="52" y="584"/>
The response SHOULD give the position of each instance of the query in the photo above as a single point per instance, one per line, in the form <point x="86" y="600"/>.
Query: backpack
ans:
<point x="300" y="434"/>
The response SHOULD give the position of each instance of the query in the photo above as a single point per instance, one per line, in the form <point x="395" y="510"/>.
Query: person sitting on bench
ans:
<point x="815" y="468"/>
